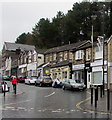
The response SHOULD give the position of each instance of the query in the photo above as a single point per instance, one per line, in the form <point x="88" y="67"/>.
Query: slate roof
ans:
<point x="65" y="47"/>
<point x="13" y="46"/>
<point x="63" y="63"/>
<point x="41" y="51"/>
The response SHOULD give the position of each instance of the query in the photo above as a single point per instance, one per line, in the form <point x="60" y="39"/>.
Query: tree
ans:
<point x="25" y="39"/>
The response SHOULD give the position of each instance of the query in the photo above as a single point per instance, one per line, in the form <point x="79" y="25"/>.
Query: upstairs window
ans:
<point x="50" y="57"/>
<point x="88" y="54"/>
<point x="65" y="55"/>
<point x="79" y="55"/>
<point x="47" y="58"/>
<point x="54" y="56"/>
<point x="70" y="55"/>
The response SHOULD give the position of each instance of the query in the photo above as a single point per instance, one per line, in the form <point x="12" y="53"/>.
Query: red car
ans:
<point x="21" y="79"/>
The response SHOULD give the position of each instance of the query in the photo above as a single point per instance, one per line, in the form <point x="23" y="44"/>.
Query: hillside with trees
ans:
<point x="74" y="26"/>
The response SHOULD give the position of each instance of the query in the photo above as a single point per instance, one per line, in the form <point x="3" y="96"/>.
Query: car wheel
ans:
<point x="63" y="87"/>
<point x="35" y="84"/>
<point x="40" y="84"/>
<point x="71" y="87"/>
<point x="29" y="82"/>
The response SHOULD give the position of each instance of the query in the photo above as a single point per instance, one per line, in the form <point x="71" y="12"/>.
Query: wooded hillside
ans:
<point x="75" y="26"/>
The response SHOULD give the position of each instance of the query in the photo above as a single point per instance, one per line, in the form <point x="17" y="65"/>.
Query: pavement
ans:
<point x="101" y="108"/>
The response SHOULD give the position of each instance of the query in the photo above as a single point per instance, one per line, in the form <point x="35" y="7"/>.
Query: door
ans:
<point x="88" y="79"/>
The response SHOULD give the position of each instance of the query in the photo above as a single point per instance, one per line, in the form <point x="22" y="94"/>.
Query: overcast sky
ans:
<point x="21" y="16"/>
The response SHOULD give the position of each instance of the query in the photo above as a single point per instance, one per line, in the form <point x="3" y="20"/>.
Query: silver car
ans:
<point x="44" y="81"/>
<point x="72" y="84"/>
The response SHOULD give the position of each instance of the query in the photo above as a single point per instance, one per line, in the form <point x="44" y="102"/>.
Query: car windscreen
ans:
<point x="35" y="77"/>
<point x="47" y="78"/>
<point x="78" y="81"/>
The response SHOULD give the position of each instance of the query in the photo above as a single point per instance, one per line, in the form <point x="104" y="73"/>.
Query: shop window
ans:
<point x="78" y="75"/>
<point x="64" y="74"/>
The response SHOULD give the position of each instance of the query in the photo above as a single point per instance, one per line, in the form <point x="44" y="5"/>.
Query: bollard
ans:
<point x="96" y="97"/>
<point x="4" y="89"/>
<point x="97" y="92"/>
<point x="91" y="95"/>
<point x="108" y="99"/>
<point x="101" y="91"/>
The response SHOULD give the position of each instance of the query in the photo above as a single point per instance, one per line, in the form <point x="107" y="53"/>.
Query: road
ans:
<point x="44" y="102"/>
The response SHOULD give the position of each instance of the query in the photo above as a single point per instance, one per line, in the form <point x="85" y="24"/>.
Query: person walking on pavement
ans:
<point x="14" y="83"/>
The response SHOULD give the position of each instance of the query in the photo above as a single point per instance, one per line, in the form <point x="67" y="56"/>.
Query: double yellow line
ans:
<point x="78" y="105"/>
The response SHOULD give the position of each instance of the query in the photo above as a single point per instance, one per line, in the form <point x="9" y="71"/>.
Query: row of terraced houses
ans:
<point x="82" y="60"/>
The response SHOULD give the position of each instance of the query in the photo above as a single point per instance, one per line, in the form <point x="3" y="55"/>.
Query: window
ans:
<point x="54" y="56"/>
<point x="47" y="59"/>
<point x="60" y="56"/>
<point x="39" y="57"/>
<point x="50" y="57"/>
<point x="65" y="55"/>
<point x="97" y="77"/>
<point x="78" y="75"/>
<point x="79" y="55"/>
<point x="24" y="59"/>
<point x="88" y="54"/>
<point x="70" y="55"/>
<point x="35" y="58"/>
<point x="99" y="52"/>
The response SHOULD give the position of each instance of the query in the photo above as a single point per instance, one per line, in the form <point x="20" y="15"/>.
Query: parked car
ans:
<point x="72" y="84"/>
<point x="21" y="79"/>
<point x="44" y="81"/>
<point x="6" y="77"/>
<point x="30" y="79"/>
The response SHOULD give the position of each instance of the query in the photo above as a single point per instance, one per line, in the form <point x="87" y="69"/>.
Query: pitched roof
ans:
<point x="14" y="46"/>
<point x="63" y="63"/>
<point x="41" y="51"/>
<point x="65" y="47"/>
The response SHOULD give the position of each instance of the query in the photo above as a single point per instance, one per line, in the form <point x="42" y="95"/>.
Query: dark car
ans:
<point x="44" y="81"/>
<point x="21" y="79"/>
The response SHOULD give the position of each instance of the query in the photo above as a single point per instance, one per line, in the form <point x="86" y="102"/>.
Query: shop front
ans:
<point x="32" y="69"/>
<point x="97" y="72"/>
<point x="22" y="70"/>
<point x="60" y="72"/>
<point x="78" y="72"/>
<point x="43" y="70"/>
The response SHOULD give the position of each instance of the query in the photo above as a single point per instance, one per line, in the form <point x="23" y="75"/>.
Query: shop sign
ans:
<point x="78" y="67"/>
<point x="47" y="71"/>
<point x="31" y="67"/>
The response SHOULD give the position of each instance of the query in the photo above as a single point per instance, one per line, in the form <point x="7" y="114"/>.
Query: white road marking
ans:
<point x="50" y="94"/>
<point x="56" y="111"/>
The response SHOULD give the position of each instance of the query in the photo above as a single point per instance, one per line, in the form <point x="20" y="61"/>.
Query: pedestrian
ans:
<point x="4" y="87"/>
<point x="14" y="83"/>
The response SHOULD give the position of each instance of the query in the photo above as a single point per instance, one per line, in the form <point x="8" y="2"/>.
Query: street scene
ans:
<point x="47" y="102"/>
<point x="56" y="60"/>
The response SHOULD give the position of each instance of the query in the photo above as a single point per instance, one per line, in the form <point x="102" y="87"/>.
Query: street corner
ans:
<point x="86" y="106"/>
